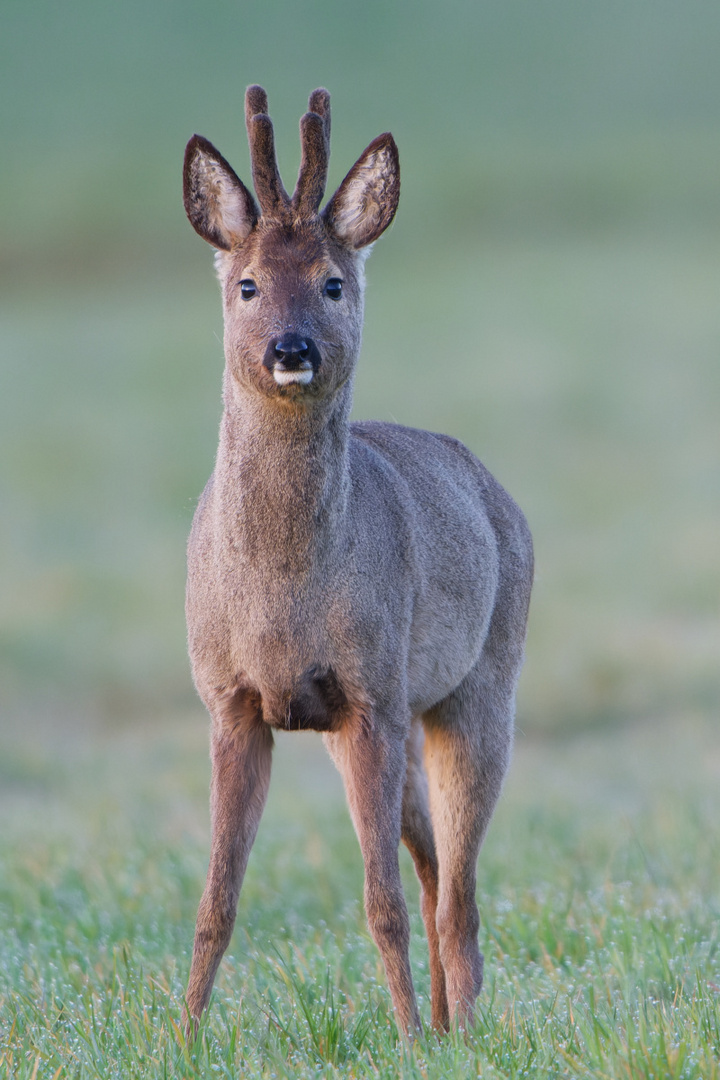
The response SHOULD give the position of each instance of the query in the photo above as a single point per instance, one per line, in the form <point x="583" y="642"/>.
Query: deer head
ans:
<point x="291" y="275"/>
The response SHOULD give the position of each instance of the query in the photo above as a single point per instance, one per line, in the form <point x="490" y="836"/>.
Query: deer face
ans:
<point x="293" y="300"/>
<point x="292" y="278"/>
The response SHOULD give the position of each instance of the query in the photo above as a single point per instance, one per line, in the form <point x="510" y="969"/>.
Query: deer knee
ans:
<point x="387" y="918"/>
<point x="215" y="923"/>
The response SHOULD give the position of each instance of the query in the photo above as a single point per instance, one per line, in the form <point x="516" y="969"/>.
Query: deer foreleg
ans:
<point x="372" y="765"/>
<point x="241" y="747"/>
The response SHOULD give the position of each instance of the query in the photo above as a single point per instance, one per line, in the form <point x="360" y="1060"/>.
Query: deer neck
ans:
<point x="282" y="480"/>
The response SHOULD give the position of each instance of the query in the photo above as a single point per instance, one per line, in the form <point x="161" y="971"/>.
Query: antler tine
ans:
<point x="315" y="140"/>
<point x="271" y="194"/>
<point x="320" y="103"/>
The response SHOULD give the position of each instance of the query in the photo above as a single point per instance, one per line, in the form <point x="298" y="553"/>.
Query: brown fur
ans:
<point x="366" y="580"/>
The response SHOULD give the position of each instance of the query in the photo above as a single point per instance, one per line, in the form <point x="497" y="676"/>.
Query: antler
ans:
<point x="271" y="194"/>
<point x="315" y="140"/>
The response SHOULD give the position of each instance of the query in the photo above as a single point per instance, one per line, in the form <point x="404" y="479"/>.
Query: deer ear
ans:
<point x="365" y="203"/>
<point x="219" y="206"/>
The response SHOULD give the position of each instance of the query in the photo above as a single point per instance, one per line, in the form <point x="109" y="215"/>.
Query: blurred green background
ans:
<point x="549" y="293"/>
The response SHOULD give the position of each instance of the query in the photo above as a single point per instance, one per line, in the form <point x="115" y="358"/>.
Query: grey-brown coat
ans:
<point x="362" y="579"/>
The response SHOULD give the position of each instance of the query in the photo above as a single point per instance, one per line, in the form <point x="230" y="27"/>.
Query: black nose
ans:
<point x="293" y="352"/>
<point x="291" y="348"/>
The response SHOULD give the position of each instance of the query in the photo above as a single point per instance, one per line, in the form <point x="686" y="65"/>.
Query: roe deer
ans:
<point x="366" y="580"/>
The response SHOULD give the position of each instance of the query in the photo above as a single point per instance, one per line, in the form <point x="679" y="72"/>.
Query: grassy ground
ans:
<point x="599" y="889"/>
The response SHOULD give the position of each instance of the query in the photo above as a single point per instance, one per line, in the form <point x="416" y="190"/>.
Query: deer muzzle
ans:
<point x="292" y="358"/>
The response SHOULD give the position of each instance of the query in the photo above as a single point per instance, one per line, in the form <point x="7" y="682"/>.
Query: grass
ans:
<point x="599" y="889"/>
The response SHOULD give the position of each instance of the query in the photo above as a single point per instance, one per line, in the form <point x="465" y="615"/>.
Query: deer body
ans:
<point x="365" y="580"/>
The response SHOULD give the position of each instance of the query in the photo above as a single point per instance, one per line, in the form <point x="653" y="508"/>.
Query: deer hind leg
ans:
<point x="468" y="738"/>
<point x="371" y="759"/>
<point x="417" y="835"/>
<point x="241" y="749"/>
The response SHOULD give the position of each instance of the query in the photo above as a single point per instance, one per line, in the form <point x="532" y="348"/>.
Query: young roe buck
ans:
<point x="365" y="580"/>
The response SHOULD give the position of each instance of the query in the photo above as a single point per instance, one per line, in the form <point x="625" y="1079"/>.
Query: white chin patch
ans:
<point x="284" y="378"/>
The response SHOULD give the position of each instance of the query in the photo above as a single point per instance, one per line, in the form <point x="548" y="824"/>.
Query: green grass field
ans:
<point x="549" y="294"/>
<point x="598" y="888"/>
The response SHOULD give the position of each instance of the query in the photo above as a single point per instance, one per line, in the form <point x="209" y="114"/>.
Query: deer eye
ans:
<point x="333" y="288"/>
<point x="248" y="289"/>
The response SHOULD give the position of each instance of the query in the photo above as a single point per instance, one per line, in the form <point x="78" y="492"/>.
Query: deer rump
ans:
<point x="365" y="580"/>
